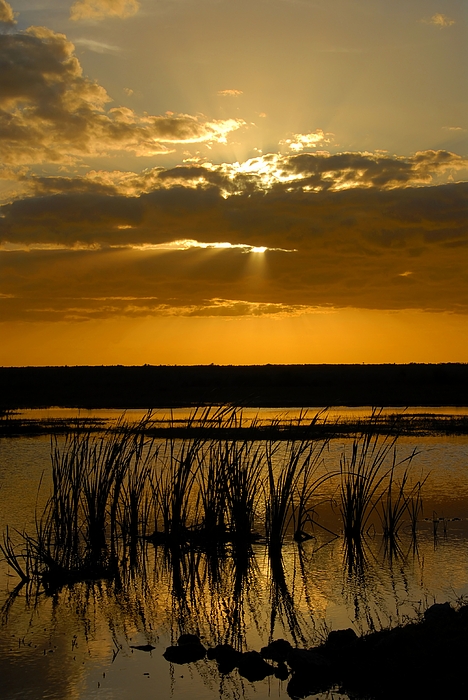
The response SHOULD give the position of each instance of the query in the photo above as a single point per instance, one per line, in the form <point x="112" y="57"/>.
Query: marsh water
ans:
<point x="80" y="641"/>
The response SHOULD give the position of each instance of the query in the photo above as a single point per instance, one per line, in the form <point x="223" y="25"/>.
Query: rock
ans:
<point x="185" y="653"/>
<point x="277" y="650"/>
<point x="305" y="683"/>
<point x="307" y="660"/>
<point x="188" y="639"/>
<point x="340" y="639"/>
<point x="227" y="657"/>
<point x="281" y="671"/>
<point x="439" y="613"/>
<point x="253" y="667"/>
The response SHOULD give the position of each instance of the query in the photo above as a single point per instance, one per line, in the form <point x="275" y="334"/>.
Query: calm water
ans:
<point x="78" y="643"/>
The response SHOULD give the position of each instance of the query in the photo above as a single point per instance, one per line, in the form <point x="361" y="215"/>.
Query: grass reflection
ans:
<point x="214" y="535"/>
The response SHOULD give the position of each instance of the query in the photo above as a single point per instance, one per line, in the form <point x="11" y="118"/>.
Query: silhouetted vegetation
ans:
<point x="301" y="428"/>
<point x="113" y="491"/>
<point x="263" y="385"/>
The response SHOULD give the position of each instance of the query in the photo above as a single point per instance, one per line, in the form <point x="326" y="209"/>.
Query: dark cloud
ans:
<point x="363" y="247"/>
<point x="324" y="171"/>
<point x="51" y="113"/>
<point x="309" y="172"/>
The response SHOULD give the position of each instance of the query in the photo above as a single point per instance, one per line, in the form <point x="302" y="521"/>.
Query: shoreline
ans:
<point x="314" y="428"/>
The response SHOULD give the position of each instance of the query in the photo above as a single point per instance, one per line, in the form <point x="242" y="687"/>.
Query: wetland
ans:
<point x="238" y="526"/>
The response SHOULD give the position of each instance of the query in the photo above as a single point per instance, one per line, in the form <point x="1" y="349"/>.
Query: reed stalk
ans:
<point x="362" y="477"/>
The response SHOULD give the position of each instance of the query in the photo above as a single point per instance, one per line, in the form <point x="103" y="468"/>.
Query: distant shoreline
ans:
<point x="262" y="386"/>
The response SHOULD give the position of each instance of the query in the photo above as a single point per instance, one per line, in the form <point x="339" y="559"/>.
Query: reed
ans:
<point x="211" y="484"/>
<point x="291" y="486"/>
<point x="415" y="507"/>
<point x="173" y="488"/>
<point x="19" y="561"/>
<point x="94" y="479"/>
<point x="399" y="499"/>
<point x="202" y="493"/>
<point x="244" y="489"/>
<point x="362" y="477"/>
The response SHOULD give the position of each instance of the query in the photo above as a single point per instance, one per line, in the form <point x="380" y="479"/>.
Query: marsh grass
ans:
<point x="290" y="488"/>
<point x="362" y="481"/>
<point x="293" y="480"/>
<point x="400" y="500"/>
<point x="115" y="492"/>
<point x="18" y="560"/>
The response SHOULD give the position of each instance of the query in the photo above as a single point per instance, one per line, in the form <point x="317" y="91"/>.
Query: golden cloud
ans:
<point x="440" y="20"/>
<point x="301" y="142"/>
<point x="230" y="93"/>
<point x="51" y="113"/>
<point x="308" y="172"/>
<point x="371" y="247"/>
<point x="98" y="9"/>
<point x="7" y="16"/>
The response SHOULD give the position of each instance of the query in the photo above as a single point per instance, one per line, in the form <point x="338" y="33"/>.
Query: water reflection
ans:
<point x="105" y="638"/>
<point x="244" y="599"/>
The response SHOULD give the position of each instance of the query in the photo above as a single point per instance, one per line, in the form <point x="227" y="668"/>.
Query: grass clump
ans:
<point x="113" y="491"/>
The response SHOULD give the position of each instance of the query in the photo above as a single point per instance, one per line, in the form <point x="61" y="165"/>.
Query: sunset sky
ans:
<point x="198" y="181"/>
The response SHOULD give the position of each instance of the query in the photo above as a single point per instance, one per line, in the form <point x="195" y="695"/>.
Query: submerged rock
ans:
<point x="281" y="671"/>
<point x="308" y="660"/>
<point x="425" y="659"/>
<point x="253" y="666"/>
<point x="277" y="650"/>
<point x="188" y="650"/>
<point x="227" y="657"/>
<point x="188" y="639"/>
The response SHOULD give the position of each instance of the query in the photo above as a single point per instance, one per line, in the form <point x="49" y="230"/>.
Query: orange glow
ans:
<point x="345" y="336"/>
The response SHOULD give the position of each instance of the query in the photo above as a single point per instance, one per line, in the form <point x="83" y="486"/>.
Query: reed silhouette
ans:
<point x="116" y="491"/>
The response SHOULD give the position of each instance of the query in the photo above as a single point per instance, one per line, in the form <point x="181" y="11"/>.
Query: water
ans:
<point x="77" y="644"/>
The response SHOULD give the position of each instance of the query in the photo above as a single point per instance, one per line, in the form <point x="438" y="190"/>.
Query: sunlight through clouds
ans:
<point x="50" y="112"/>
<point x="188" y="244"/>
<point x="212" y="159"/>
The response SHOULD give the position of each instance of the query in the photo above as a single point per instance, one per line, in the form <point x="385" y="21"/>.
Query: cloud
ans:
<point x="306" y="172"/>
<point x="440" y="20"/>
<point x="299" y="142"/>
<point x="230" y="93"/>
<point x="97" y="46"/>
<point x="7" y="16"/>
<point x="51" y="113"/>
<point x="99" y="9"/>
<point x="374" y="246"/>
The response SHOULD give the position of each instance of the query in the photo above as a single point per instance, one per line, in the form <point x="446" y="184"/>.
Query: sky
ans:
<point x="232" y="182"/>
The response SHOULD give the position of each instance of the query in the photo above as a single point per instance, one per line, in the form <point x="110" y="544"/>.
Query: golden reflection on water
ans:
<point x="79" y="641"/>
<point x="77" y="644"/>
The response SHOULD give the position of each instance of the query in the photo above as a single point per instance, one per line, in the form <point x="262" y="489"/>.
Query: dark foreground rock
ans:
<point x="425" y="660"/>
